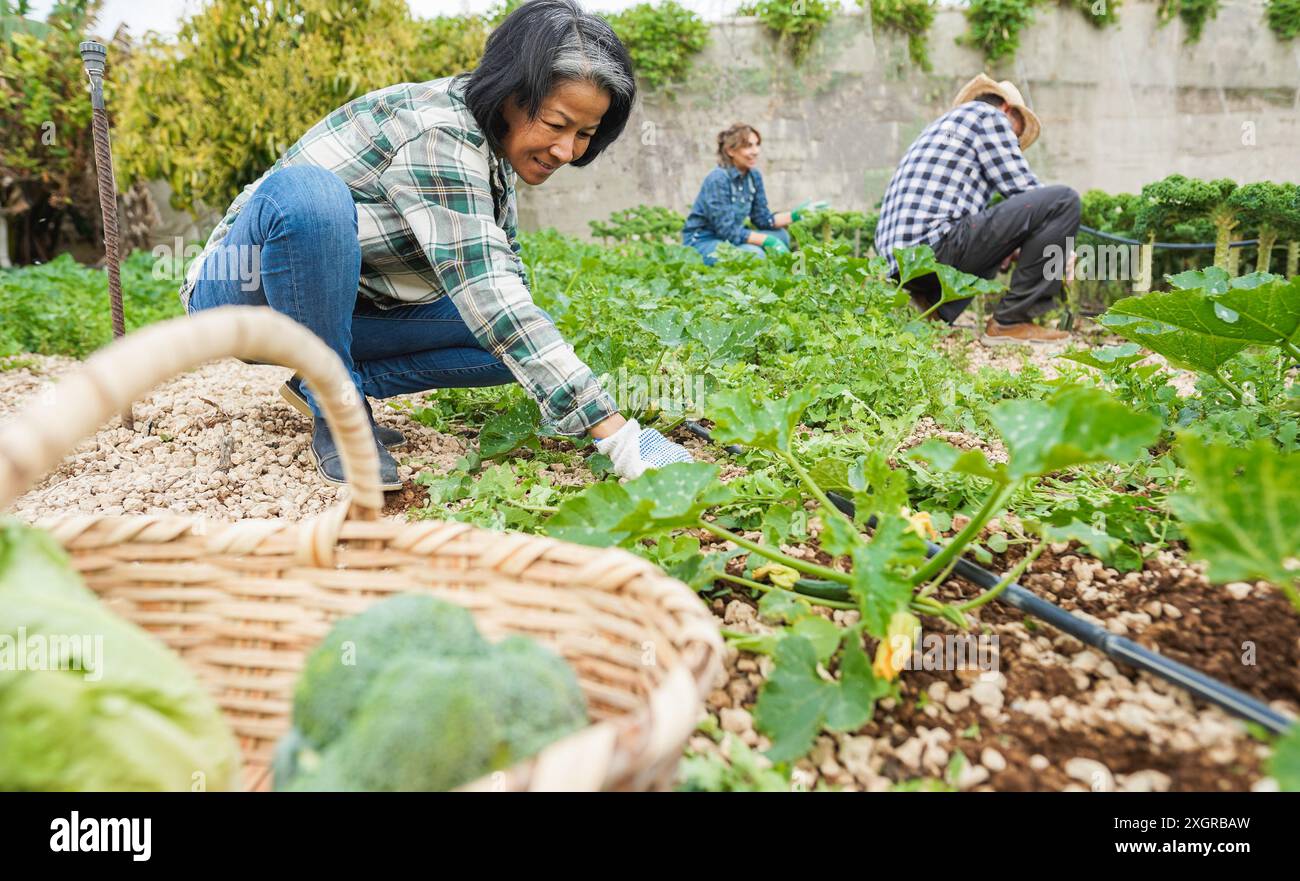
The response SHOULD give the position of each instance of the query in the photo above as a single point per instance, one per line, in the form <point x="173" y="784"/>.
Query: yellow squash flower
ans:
<point x="894" y="650"/>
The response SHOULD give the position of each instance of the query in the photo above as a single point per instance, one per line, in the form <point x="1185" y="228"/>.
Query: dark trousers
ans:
<point x="1032" y="221"/>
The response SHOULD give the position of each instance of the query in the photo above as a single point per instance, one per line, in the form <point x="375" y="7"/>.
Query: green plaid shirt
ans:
<point x="436" y="217"/>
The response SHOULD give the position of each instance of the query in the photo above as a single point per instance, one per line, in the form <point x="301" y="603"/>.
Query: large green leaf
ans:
<point x="882" y="570"/>
<point x="796" y="702"/>
<point x="1183" y="348"/>
<point x="672" y="497"/>
<point x="1076" y="425"/>
<point x="956" y="285"/>
<point x="1284" y="765"/>
<point x="741" y="418"/>
<point x="946" y="457"/>
<point x="593" y="517"/>
<point x="914" y="262"/>
<point x="1107" y="357"/>
<point x="1241" y="512"/>
<point x="1201" y="328"/>
<point x="506" y="432"/>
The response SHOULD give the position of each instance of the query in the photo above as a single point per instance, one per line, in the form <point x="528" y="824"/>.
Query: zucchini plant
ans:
<point x="885" y="577"/>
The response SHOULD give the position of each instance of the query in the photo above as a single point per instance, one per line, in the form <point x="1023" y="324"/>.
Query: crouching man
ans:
<point x="939" y="196"/>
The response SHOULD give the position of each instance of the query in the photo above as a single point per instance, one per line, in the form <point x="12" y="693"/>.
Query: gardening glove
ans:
<point x="773" y="245"/>
<point x="635" y="450"/>
<point x="808" y="206"/>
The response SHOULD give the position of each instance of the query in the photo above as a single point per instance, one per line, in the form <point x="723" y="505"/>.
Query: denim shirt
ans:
<point x="726" y="198"/>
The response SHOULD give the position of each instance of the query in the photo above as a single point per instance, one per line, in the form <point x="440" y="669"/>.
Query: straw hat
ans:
<point x="984" y="84"/>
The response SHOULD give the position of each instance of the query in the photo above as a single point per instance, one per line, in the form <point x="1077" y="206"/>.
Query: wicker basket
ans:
<point x="244" y="602"/>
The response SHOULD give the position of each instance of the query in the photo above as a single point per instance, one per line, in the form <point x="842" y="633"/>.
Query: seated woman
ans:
<point x="389" y="230"/>
<point x="732" y="192"/>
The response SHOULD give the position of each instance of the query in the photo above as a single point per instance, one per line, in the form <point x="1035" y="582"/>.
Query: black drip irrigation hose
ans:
<point x="1168" y="246"/>
<point x="1112" y="645"/>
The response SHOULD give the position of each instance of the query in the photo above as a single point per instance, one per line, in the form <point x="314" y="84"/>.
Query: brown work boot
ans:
<point x="1025" y="332"/>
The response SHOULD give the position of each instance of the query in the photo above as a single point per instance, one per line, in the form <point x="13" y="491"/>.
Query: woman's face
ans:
<point x="745" y="157"/>
<point x="560" y="133"/>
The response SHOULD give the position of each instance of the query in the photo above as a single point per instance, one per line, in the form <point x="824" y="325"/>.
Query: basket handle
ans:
<point x="37" y="439"/>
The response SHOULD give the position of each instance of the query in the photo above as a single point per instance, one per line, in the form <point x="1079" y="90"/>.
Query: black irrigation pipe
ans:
<point x="1168" y="246"/>
<point x="1113" y="646"/>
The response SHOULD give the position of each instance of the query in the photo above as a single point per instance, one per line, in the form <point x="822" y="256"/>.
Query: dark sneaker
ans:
<point x="1024" y="333"/>
<point x="291" y="391"/>
<point x="330" y="464"/>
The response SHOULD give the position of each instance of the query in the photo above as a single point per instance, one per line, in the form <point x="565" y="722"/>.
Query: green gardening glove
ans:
<point x="808" y="206"/>
<point x="773" y="245"/>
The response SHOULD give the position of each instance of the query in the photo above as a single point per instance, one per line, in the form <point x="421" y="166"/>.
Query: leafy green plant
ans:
<point x="59" y="308"/>
<point x="796" y="23"/>
<point x="850" y="227"/>
<point x="1283" y="18"/>
<point x="910" y="17"/>
<point x="1211" y="317"/>
<point x="1241" y="512"/>
<point x="46" y="149"/>
<point x="1272" y="210"/>
<point x="662" y="39"/>
<point x="645" y="223"/>
<point x="1100" y="13"/>
<point x="1194" y="15"/>
<point x="994" y="26"/>
<point x="174" y="121"/>
<point x="1177" y="199"/>
<point x="886" y="578"/>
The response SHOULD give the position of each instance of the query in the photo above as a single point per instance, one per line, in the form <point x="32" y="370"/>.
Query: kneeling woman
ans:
<point x="389" y="229"/>
<point x="733" y="192"/>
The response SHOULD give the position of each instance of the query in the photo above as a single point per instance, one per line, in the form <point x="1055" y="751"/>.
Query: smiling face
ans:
<point x="745" y="157"/>
<point x="561" y="132"/>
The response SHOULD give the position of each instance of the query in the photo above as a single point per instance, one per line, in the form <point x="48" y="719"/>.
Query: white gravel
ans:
<point x="218" y="441"/>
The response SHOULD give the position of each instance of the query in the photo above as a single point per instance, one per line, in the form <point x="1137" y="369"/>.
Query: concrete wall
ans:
<point x="1120" y="107"/>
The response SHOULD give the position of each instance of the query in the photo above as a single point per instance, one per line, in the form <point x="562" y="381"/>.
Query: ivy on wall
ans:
<point x="662" y="39"/>
<point x="910" y="17"/>
<point x="1283" y="18"/>
<point x="994" y="26"/>
<point x="796" y="23"/>
<point x="1193" y="13"/>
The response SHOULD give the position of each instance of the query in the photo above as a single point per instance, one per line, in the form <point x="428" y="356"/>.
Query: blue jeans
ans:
<point x="707" y="244"/>
<point x="302" y="223"/>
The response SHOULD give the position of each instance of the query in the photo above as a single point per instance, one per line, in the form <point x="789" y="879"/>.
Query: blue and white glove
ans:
<point x="635" y="450"/>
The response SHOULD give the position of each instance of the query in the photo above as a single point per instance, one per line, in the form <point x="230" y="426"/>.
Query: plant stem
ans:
<point x="1237" y="393"/>
<point x="540" y="509"/>
<point x="813" y="488"/>
<point x="940" y="578"/>
<point x="963" y="538"/>
<point x="1007" y="580"/>
<point x="793" y="562"/>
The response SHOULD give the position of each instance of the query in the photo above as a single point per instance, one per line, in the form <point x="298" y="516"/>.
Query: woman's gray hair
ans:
<point x="578" y="58"/>
<point x="540" y="44"/>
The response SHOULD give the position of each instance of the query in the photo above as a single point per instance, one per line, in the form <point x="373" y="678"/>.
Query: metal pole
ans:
<point x="94" y="56"/>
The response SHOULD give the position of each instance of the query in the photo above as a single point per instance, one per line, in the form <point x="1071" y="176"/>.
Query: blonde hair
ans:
<point x="735" y="136"/>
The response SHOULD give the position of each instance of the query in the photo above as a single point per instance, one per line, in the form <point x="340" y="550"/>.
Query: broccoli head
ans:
<point x="439" y="708"/>
<point x="340" y="671"/>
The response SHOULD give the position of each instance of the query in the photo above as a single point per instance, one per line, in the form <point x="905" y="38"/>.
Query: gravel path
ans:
<point x="217" y="441"/>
